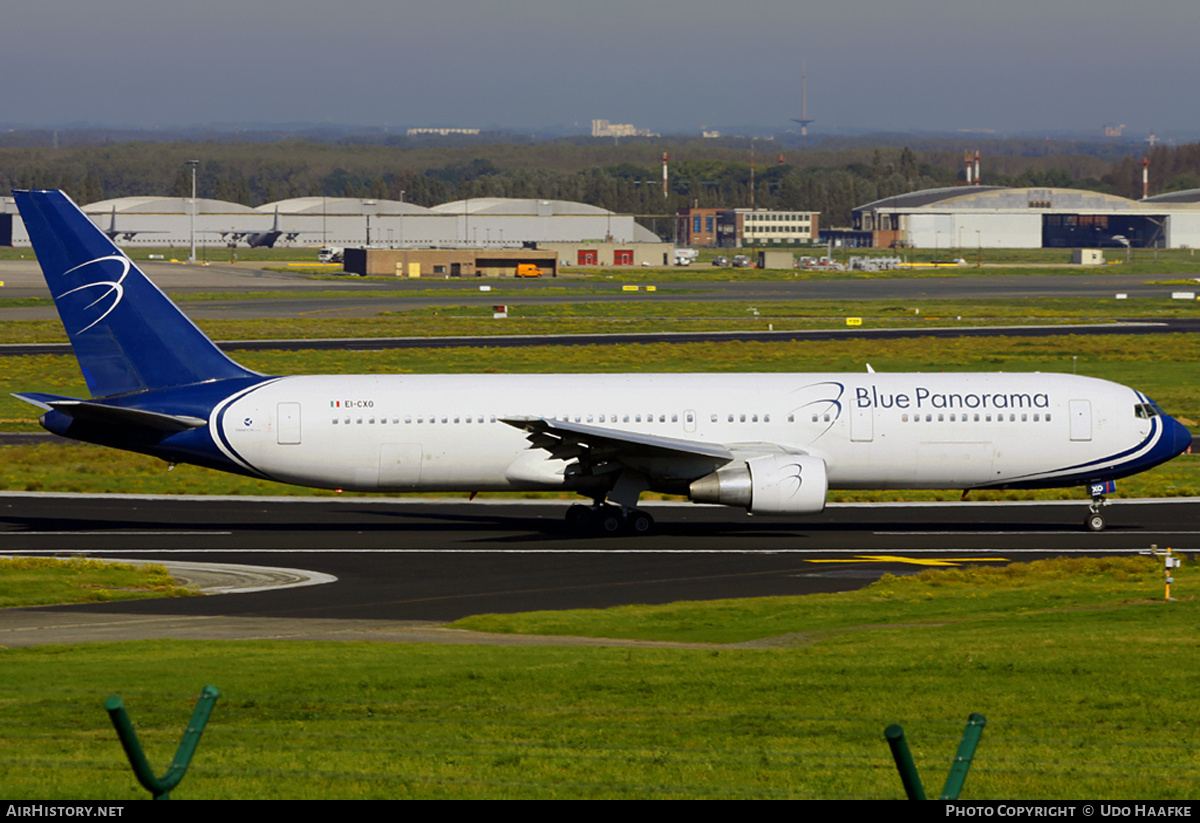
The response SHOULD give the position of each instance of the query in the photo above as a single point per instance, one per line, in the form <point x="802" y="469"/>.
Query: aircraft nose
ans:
<point x="1181" y="438"/>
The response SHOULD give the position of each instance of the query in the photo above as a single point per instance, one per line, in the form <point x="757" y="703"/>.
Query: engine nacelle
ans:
<point x="771" y="484"/>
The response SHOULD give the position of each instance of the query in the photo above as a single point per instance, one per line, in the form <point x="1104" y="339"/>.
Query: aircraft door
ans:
<point x="287" y="429"/>
<point x="1081" y="420"/>
<point x="689" y="420"/>
<point x="862" y="425"/>
<point x="399" y="465"/>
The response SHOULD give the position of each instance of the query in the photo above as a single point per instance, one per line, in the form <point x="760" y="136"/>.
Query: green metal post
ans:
<point x="962" y="760"/>
<point x="161" y="787"/>
<point x="904" y="762"/>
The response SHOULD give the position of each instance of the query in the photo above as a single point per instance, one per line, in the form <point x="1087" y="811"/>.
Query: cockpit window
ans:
<point x="1145" y="411"/>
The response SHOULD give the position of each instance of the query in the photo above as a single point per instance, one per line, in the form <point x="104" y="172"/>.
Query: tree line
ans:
<point x="626" y="179"/>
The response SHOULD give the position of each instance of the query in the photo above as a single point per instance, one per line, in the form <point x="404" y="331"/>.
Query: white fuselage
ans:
<point x="445" y="432"/>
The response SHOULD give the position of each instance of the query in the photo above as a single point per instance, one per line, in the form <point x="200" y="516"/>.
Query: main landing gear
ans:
<point x="607" y="519"/>
<point x="1095" y="520"/>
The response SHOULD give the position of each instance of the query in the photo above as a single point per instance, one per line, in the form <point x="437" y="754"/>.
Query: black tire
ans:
<point x="639" y="522"/>
<point x="610" y="521"/>
<point x="1095" y="522"/>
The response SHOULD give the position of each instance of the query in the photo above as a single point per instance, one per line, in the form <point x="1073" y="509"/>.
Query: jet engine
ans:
<point x="771" y="484"/>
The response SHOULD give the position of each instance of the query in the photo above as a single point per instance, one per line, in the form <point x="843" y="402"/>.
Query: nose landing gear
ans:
<point x="1095" y="520"/>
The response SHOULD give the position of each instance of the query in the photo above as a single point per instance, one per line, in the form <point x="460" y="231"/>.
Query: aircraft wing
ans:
<point x="565" y="440"/>
<point x="596" y="450"/>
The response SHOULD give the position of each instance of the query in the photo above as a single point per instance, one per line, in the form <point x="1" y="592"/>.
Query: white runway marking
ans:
<point x="858" y="551"/>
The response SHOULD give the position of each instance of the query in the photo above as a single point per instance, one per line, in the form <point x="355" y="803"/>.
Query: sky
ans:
<point x="674" y="66"/>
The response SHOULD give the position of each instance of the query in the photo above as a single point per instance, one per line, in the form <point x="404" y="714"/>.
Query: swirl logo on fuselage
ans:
<point x="112" y="288"/>
<point x="823" y="400"/>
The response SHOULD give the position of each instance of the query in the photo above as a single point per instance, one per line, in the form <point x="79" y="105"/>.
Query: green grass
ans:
<point x="39" y="581"/>
<point x="978" y="594"/>
<point x="1086" y="681"/>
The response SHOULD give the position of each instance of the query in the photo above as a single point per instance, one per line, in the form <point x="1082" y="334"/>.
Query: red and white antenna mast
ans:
<point x="666" y="157"/>
<point x="967" y="161"/>
<point x="1145" y="177"/>
<point x="976" y="168"/>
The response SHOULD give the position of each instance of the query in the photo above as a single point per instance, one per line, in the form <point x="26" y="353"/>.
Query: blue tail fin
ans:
<point x="127" y="335"/>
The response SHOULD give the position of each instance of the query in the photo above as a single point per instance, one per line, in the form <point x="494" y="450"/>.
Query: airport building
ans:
<point x="735" y="228"/>
<point x="448" y="262"/>
<point x="969" y="217"/>
<point x="482" y="262"/>
<point x="335" y="221"/>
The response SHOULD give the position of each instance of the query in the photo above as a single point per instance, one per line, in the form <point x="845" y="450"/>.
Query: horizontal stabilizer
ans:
<point x="87" y="411"/>
<point x="100" y="413"/>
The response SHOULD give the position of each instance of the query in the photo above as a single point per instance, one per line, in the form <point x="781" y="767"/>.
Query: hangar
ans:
<point x="960" y="217"/>
<point x="154" y="221"/>
<point x="340" y="221"/>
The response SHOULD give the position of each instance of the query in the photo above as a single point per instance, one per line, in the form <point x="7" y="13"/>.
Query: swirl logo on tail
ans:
<point x="111" y="287"/>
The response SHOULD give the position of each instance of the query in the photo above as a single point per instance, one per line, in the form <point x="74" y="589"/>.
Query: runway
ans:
<point x="424" y="560"/>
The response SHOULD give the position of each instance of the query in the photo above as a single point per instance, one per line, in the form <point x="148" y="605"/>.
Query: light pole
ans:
<point x="402" y="217"/>
<point x="192" y="256"/>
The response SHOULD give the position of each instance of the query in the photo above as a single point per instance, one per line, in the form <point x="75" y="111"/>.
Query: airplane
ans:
<point x="773" y="444"/>
<point x="112" y="232"/>
<point x="260" y="239"/>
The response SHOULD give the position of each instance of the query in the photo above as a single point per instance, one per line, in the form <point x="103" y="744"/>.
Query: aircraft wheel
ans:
<point x="639" y="522"/>
<point x="1095" y="522"/>
<point x="579" y="517"/>
<point x="609" y="521"/>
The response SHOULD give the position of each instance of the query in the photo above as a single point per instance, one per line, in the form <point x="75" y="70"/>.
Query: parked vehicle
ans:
<point x="720" y="261"/>
<point x="685" y="257"/>
<point x="528" y="270"/>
